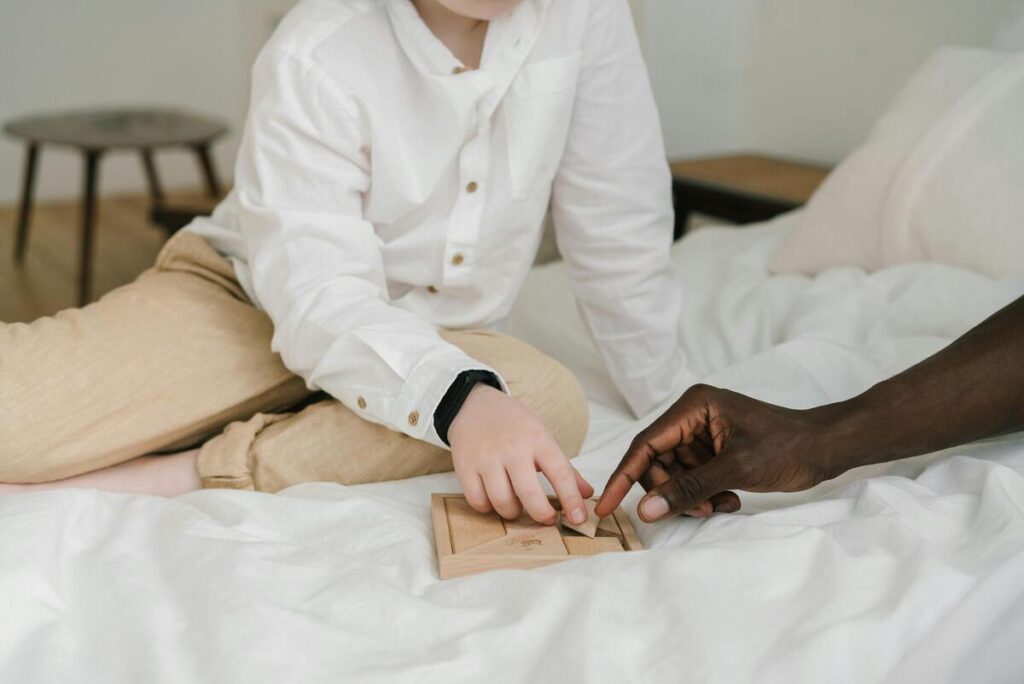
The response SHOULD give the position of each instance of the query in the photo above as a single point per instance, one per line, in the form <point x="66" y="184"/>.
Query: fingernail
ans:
<point x="578" y="516"/>
<point x="654" y="507"/>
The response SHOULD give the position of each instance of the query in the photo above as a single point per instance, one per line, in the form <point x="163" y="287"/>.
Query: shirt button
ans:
<point x="414" y="418"/>
<point x="472" y="187"/>
<point x="458" y="260"/>
<point x="361" y="402"/>
<point x="459" y="70"/>
<point x="432" y="290"/>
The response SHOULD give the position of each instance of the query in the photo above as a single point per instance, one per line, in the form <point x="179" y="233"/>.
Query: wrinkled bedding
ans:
<point x="906" y="572"/>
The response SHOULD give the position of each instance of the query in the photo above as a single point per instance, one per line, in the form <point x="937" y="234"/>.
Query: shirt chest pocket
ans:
<point x="539" y="113"/>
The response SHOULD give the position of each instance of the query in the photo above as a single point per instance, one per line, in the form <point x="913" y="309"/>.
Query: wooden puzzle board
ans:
<point x="469" y="542"/>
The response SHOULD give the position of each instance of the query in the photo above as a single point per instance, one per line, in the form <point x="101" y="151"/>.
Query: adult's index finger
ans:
<point x="630" y="469"/>
<point x="674" y="427"/>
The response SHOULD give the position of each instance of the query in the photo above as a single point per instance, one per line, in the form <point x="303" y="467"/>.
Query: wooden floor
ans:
<point x="126" y="245"/>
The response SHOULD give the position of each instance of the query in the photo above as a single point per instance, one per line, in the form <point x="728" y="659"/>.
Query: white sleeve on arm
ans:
<point x="612" y="207"/>
<point x="316" y="264"/>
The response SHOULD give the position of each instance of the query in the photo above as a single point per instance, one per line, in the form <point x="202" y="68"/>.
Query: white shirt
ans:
<point x="383" y="191"/>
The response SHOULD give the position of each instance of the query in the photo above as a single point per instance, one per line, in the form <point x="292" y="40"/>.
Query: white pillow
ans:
<point x="940" y="178"/>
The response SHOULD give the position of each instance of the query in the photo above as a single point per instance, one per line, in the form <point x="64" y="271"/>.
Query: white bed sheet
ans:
<point x="916" y="574"/>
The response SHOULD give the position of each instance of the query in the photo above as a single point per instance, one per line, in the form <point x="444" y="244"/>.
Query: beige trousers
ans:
<point x="181" y="357"/>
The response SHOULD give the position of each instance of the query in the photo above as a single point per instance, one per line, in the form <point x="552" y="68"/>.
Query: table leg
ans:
<point x="209" y="172"/>
<point x="683" y="211"/>
<point x="156" y="192"/>
<point x="92" y="159"/>
<point x="27" y="197"/>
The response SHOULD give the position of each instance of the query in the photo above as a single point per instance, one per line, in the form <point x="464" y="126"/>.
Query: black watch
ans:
<point x="456" y="396"/>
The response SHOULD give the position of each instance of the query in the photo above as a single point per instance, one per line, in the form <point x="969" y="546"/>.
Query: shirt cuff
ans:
<point x="414" y="408"/>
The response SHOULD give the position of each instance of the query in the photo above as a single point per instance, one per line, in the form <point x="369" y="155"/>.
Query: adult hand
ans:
<point x="712" y="441"/>
<point x="498" y="446"/>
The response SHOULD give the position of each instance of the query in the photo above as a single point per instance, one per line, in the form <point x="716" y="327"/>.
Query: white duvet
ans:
<point x="908" y="573"/>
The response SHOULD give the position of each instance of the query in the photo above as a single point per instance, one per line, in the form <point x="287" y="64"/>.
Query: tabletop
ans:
<point x="755" y="175"/>
<point x="114" y="128"/>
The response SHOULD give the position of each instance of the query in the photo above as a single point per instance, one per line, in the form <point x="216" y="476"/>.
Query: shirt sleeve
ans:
<point x="316" y="264"/>
<point x="612" y="206"/>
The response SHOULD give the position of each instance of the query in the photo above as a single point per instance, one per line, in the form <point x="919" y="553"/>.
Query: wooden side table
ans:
<point x="94" y="133"/>
<point x="745" y="188"/>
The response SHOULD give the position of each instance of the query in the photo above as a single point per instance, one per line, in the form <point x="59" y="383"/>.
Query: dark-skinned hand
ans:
<point x="713" y="441"/>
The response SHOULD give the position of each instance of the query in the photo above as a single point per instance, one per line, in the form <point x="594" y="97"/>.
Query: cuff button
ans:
<point x="414" y="418"/>
<point x="361" y="402"/>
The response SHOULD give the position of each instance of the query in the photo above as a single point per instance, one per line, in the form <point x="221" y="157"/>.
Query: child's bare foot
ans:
<point x="158" y="475"/>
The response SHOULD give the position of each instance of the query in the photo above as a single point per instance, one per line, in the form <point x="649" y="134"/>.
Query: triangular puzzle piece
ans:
<point x="588" y="528"/>
<point x="469" y="528"/>
<point x="609" y="527"/>
<point x="523" y="522"/>
<point x="582" y="546"/>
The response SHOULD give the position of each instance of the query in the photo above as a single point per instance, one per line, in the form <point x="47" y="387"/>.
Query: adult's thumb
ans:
<point x="685" y="490"/>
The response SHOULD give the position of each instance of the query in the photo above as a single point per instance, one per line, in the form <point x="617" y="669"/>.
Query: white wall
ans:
<point x="59" y="54"/>
<point x="803" y="78"/>
<point x="800" y="78"/>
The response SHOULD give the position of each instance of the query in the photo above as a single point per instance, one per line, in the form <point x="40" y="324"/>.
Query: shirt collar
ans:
<point x="508" y="37"/>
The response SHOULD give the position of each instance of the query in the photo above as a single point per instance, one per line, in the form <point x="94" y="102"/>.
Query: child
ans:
<point x="398" y="160"/>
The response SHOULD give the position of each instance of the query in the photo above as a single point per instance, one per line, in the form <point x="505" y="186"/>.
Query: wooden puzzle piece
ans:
<point x="523" y="522"/>
<point x="525" y="537"/>
<point x="468" y="528"/>
<point x="608" y="527"/>
<point x="587" y="528"/>
<point x="585" y="546"/>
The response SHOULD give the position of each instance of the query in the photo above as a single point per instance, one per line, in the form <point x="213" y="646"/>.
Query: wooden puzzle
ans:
<point x="469" y="542"/>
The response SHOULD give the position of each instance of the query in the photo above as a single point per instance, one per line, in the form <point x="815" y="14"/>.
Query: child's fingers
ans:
<point x="562" y="477"/>
<point x="586" y="489"/>
<point x="473" y="488"/>
<point x="530" y="492"/>
<point x="500" y="494"/>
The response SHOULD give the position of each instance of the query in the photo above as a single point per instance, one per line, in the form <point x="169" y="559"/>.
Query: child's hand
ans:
<point x="498" y="446"/>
